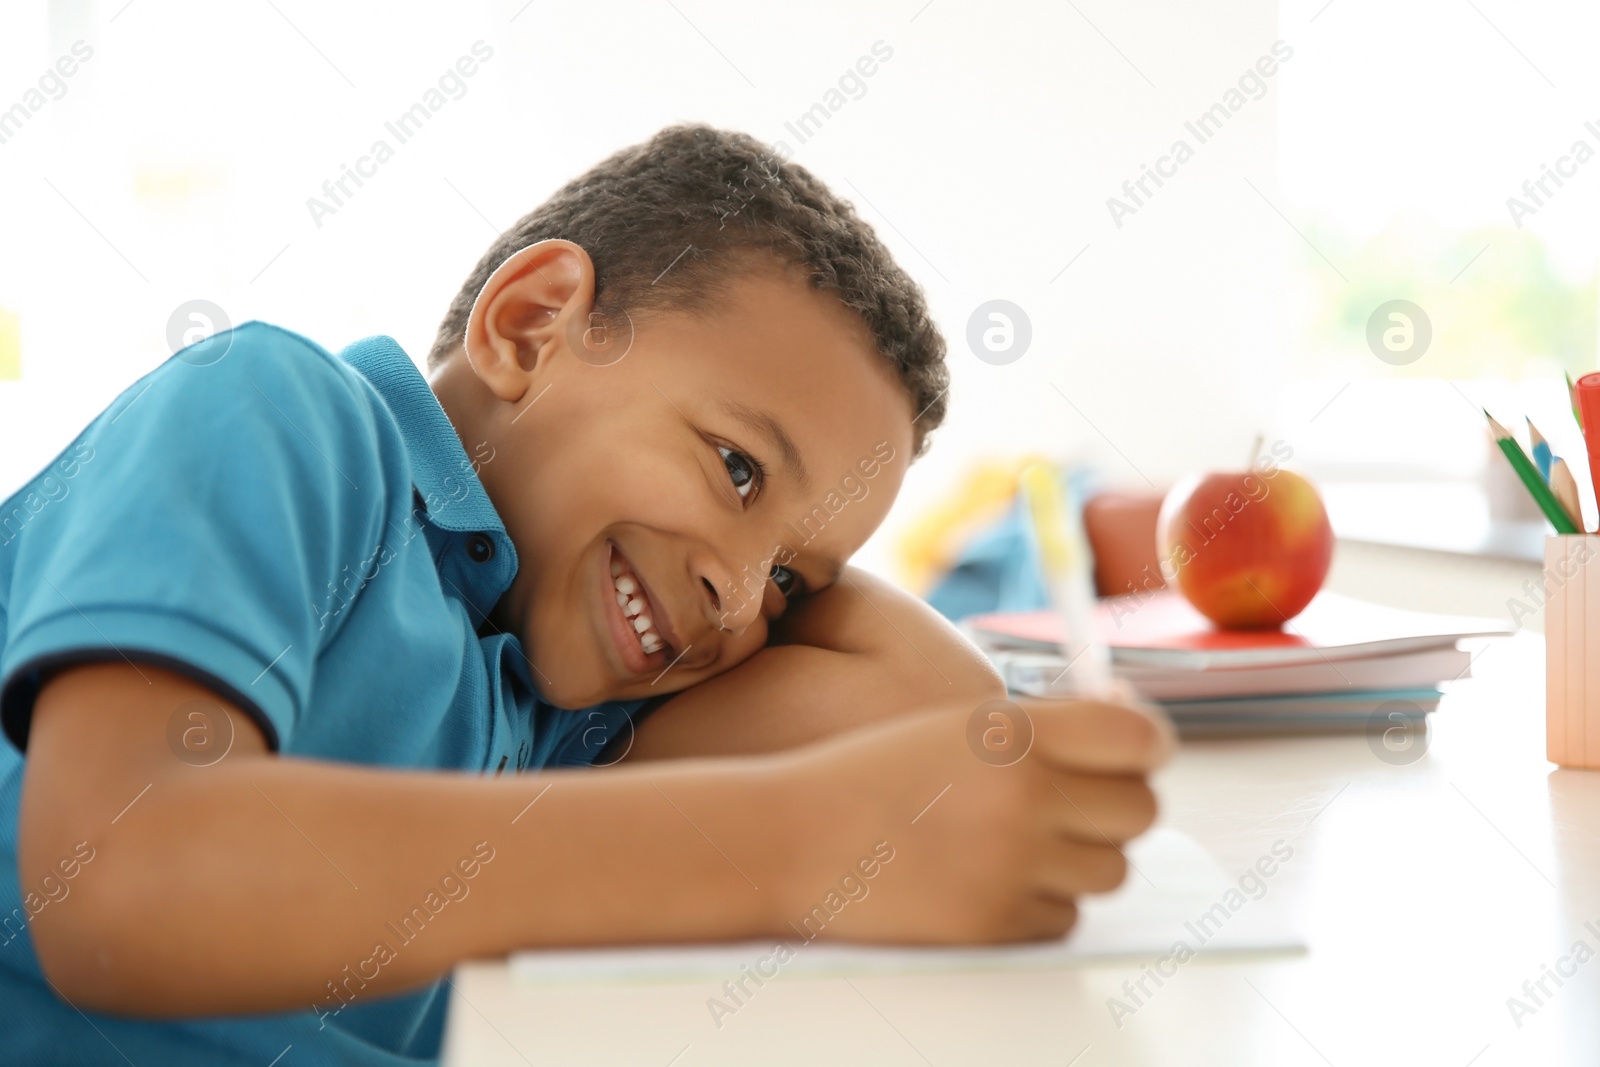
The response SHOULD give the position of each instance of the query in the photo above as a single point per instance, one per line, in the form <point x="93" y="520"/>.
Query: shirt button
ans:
<point x="480" y="549"/>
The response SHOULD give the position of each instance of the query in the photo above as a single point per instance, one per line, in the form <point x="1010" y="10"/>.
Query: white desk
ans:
<point x="1429" y="893"/>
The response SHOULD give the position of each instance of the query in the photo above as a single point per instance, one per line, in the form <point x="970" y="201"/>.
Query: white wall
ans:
<point x="984" y="151"/>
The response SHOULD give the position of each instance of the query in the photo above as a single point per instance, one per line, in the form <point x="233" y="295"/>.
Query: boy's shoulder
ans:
<point x="263" y="352"/>
<point x="246" y="408"/>
<point x="261" y="376"/>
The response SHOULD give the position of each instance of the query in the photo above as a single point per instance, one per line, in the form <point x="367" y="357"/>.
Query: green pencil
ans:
<point x="1531" y="478"/>
<point x="1572" y="396"/>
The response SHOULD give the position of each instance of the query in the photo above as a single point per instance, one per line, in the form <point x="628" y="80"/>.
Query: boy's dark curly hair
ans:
<point x="694" y="198"/>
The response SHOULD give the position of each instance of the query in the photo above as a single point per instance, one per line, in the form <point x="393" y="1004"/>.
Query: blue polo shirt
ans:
<point x="306" y="535"/>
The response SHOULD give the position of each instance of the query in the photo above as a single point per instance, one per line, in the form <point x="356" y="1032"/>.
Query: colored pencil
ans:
<point x="1542" y="456"/>
<point x="1565" y="487"/>
<point x="1530" y="475"/>
<point x="1588" y="394"/>
<point x="1572" y="398"/>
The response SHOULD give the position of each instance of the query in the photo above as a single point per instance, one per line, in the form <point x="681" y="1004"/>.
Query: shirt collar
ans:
<point x="444" y="477"/>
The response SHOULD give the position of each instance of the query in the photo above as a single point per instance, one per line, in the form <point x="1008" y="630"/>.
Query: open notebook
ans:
<point x="1175" y="892"/>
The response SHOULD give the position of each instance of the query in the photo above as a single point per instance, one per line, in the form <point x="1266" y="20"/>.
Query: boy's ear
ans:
<point x="525" y="314"/>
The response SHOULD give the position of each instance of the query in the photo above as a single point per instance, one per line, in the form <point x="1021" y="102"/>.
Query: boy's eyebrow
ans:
<point x="773" y="431"/>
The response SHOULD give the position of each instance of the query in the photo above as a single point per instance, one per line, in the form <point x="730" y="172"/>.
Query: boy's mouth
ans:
<point x="635" y="623"/>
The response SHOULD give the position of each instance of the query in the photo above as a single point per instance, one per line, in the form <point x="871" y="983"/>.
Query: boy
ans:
<point x="260" y="618"/>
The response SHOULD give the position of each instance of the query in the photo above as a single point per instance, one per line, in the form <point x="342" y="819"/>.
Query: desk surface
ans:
<point x="1429" y="891"/>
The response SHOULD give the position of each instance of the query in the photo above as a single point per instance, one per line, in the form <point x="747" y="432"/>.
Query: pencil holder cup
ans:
<point x="1572" y="650"/>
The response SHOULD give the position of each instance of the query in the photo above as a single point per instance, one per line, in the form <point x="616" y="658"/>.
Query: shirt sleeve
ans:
<point x="205" y="518"/>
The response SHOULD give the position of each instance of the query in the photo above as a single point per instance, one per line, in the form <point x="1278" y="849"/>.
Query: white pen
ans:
<point x="1063" y="552"/>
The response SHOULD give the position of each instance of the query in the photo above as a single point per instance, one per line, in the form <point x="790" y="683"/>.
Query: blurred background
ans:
<point x="997" y="149"/>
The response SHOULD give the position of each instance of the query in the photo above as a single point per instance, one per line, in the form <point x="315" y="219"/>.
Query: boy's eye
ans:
<point x="742" y="471"/>
<point x="785" y="580"/>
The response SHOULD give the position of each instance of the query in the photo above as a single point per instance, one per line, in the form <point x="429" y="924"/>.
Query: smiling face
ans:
<point x="650" y="498"/>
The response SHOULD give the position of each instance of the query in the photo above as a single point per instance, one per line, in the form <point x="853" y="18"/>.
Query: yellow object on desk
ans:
<point x="10" y="345"/>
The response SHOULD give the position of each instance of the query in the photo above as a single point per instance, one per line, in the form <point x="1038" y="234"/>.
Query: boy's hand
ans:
<point x="996" y="820"/>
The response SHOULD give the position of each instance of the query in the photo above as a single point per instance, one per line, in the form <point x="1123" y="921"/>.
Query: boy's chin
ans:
<point x="573" y="697"/>
<point x="586" y="693"/>
<point x="580" y="694"/>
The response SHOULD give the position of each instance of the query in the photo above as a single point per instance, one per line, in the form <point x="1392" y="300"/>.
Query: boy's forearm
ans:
<point x="858" y="652"/>
<point x="360" y="879"/>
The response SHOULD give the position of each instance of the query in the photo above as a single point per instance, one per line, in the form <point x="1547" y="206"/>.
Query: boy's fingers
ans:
<point x="1101" y="738"/>
<point x="1046" y="917"/>
<point x="1073" y="868"/>
<point x="1121" y="692"/>
<point x="1037" y="917"/>
<point x="1100" y="809"/>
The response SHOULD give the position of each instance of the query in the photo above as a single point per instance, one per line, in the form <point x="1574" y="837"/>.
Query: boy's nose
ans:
<point x="732" y="599"/>
<point x="736" y="609"/>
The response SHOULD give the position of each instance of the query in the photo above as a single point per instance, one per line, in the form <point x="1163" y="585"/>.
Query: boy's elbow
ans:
<point x="964" y="676"/>
<point x="89" y="951"/>
<point x="75" y="954"/>
<point x="975" y="675"/>
<point x="67" y="910"/>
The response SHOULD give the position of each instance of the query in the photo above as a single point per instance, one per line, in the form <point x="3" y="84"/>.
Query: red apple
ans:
<point x="1249" y="550"/>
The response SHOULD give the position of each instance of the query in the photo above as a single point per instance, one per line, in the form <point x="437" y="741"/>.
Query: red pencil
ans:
<point x="1588" y="400"/>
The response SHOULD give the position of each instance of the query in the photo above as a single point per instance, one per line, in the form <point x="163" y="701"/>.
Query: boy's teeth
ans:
<point x="633" y="606"/>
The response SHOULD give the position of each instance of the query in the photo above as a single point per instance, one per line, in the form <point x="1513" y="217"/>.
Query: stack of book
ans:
<point x="1334" y="667"/>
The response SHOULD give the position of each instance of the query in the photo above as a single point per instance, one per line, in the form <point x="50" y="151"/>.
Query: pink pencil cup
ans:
<point x="1572" y="650"/>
